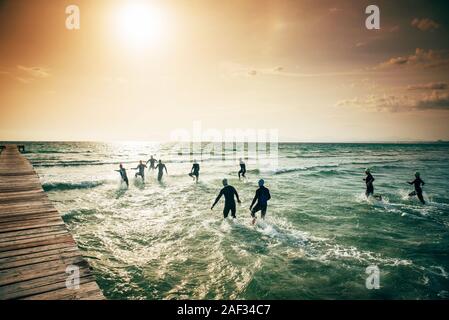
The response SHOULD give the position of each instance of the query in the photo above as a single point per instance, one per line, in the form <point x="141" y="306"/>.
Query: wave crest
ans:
<point x="58" y="186"/>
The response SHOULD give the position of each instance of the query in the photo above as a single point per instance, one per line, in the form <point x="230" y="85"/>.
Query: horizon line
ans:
<point x="279" y="142"/>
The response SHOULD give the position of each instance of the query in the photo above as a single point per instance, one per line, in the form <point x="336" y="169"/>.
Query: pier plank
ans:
<point x="90" y="293"/>
<point x="38" y="254"/>
<point x="30" y="232"/>
<point x="26" y="262"/>
<point x="39" y="286"/>
<point x="36" y="249"/>
<point x="24" y="217"/>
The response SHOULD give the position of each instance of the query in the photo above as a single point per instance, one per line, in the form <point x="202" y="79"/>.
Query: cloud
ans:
<point x="380" y="103"/>
<point x="267" y="71"/>
<point x="24" y="80"/>
<point x="364" y="83"/>
<point x="438" y="101"/>
<point x="421" y="58"/>
<point x="429" y="86"/>
<point x="234" y="69"/>
<point x="35" y="72"/>
<point x="396" y="103"/>
<point x="230" y="69"/>
<point x="425" y="24"/>
<point x="29" y="74"/>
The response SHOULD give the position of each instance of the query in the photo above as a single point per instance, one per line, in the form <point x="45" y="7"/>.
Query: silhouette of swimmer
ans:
<point x="160" y="166"/>
<point x="369" y="185"/>
<point x="418" y="183"/>
<point x="123" y="174"/>
<point x="262" y="196"/>
<point x="228" y="192"/>
<point x="152" y="161"/>
<point x="141" y="167"/>
<point x="195" y="172"/>
<point x="242" y="168"/>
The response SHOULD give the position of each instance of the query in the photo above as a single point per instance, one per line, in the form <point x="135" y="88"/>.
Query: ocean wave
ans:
<point x="372" y="163"/>
<point x="387" y="167"/>
<point x="339" y="252"/>
<point x="58" y="151"/>
<point x="325" y="172"/>
<point x="312" y="156"/>
<point x="66" y="163"/>
<point x="48" y="151"/>
<point x="78" y="214"/>
<point x="77" y="163"/>
<point x="59" y="186"/>
<point x="289" y="170"/>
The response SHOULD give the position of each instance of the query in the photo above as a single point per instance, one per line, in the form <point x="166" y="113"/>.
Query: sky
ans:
<point x="140" y="70"/>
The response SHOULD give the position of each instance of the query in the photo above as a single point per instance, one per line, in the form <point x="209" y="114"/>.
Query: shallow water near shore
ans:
<point x="162" y="241"/>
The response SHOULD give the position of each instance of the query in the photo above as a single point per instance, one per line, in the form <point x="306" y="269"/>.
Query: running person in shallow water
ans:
<point x="161" y="167"/>
<point x="369" y="180"/>
<point x="369" y="183"/>
<point x="242" y="169"/>
<point x="123" y="174"/>
<point x="262" y="196"/>
<point x="418" y="183"/>
<point x="228" y="192"/>
<point x="141" y="167"/>
<point x="195" y="172"/>
<point x="152" y="162"/>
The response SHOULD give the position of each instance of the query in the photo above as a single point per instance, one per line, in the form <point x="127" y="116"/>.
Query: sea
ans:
<point x="321" y="238"/>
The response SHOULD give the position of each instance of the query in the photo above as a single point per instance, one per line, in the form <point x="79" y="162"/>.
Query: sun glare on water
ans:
<point x="140" y="25"/>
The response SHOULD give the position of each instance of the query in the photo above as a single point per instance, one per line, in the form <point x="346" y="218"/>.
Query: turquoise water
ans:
<point x="162" y="241"/>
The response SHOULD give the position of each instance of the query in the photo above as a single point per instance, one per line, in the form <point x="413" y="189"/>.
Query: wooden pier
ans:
<point x="35" y="246"/>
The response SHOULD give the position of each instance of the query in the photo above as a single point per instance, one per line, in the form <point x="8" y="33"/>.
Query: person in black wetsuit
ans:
<point x="123" y="174"/>
<point x="262" y="196"/>
<point x="195" y="172"/>
<point x="161" y="168"/>
<point x="152" y="161"/>
<point x="228" y="192"/>
<point x="418" y="183"/>
<point x="141" y="167"/>
<point x="369" y="183"/>
<point x="242" y="169"/>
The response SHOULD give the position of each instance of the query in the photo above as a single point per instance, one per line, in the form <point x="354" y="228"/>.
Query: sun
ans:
<point x="140" y="25"/>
